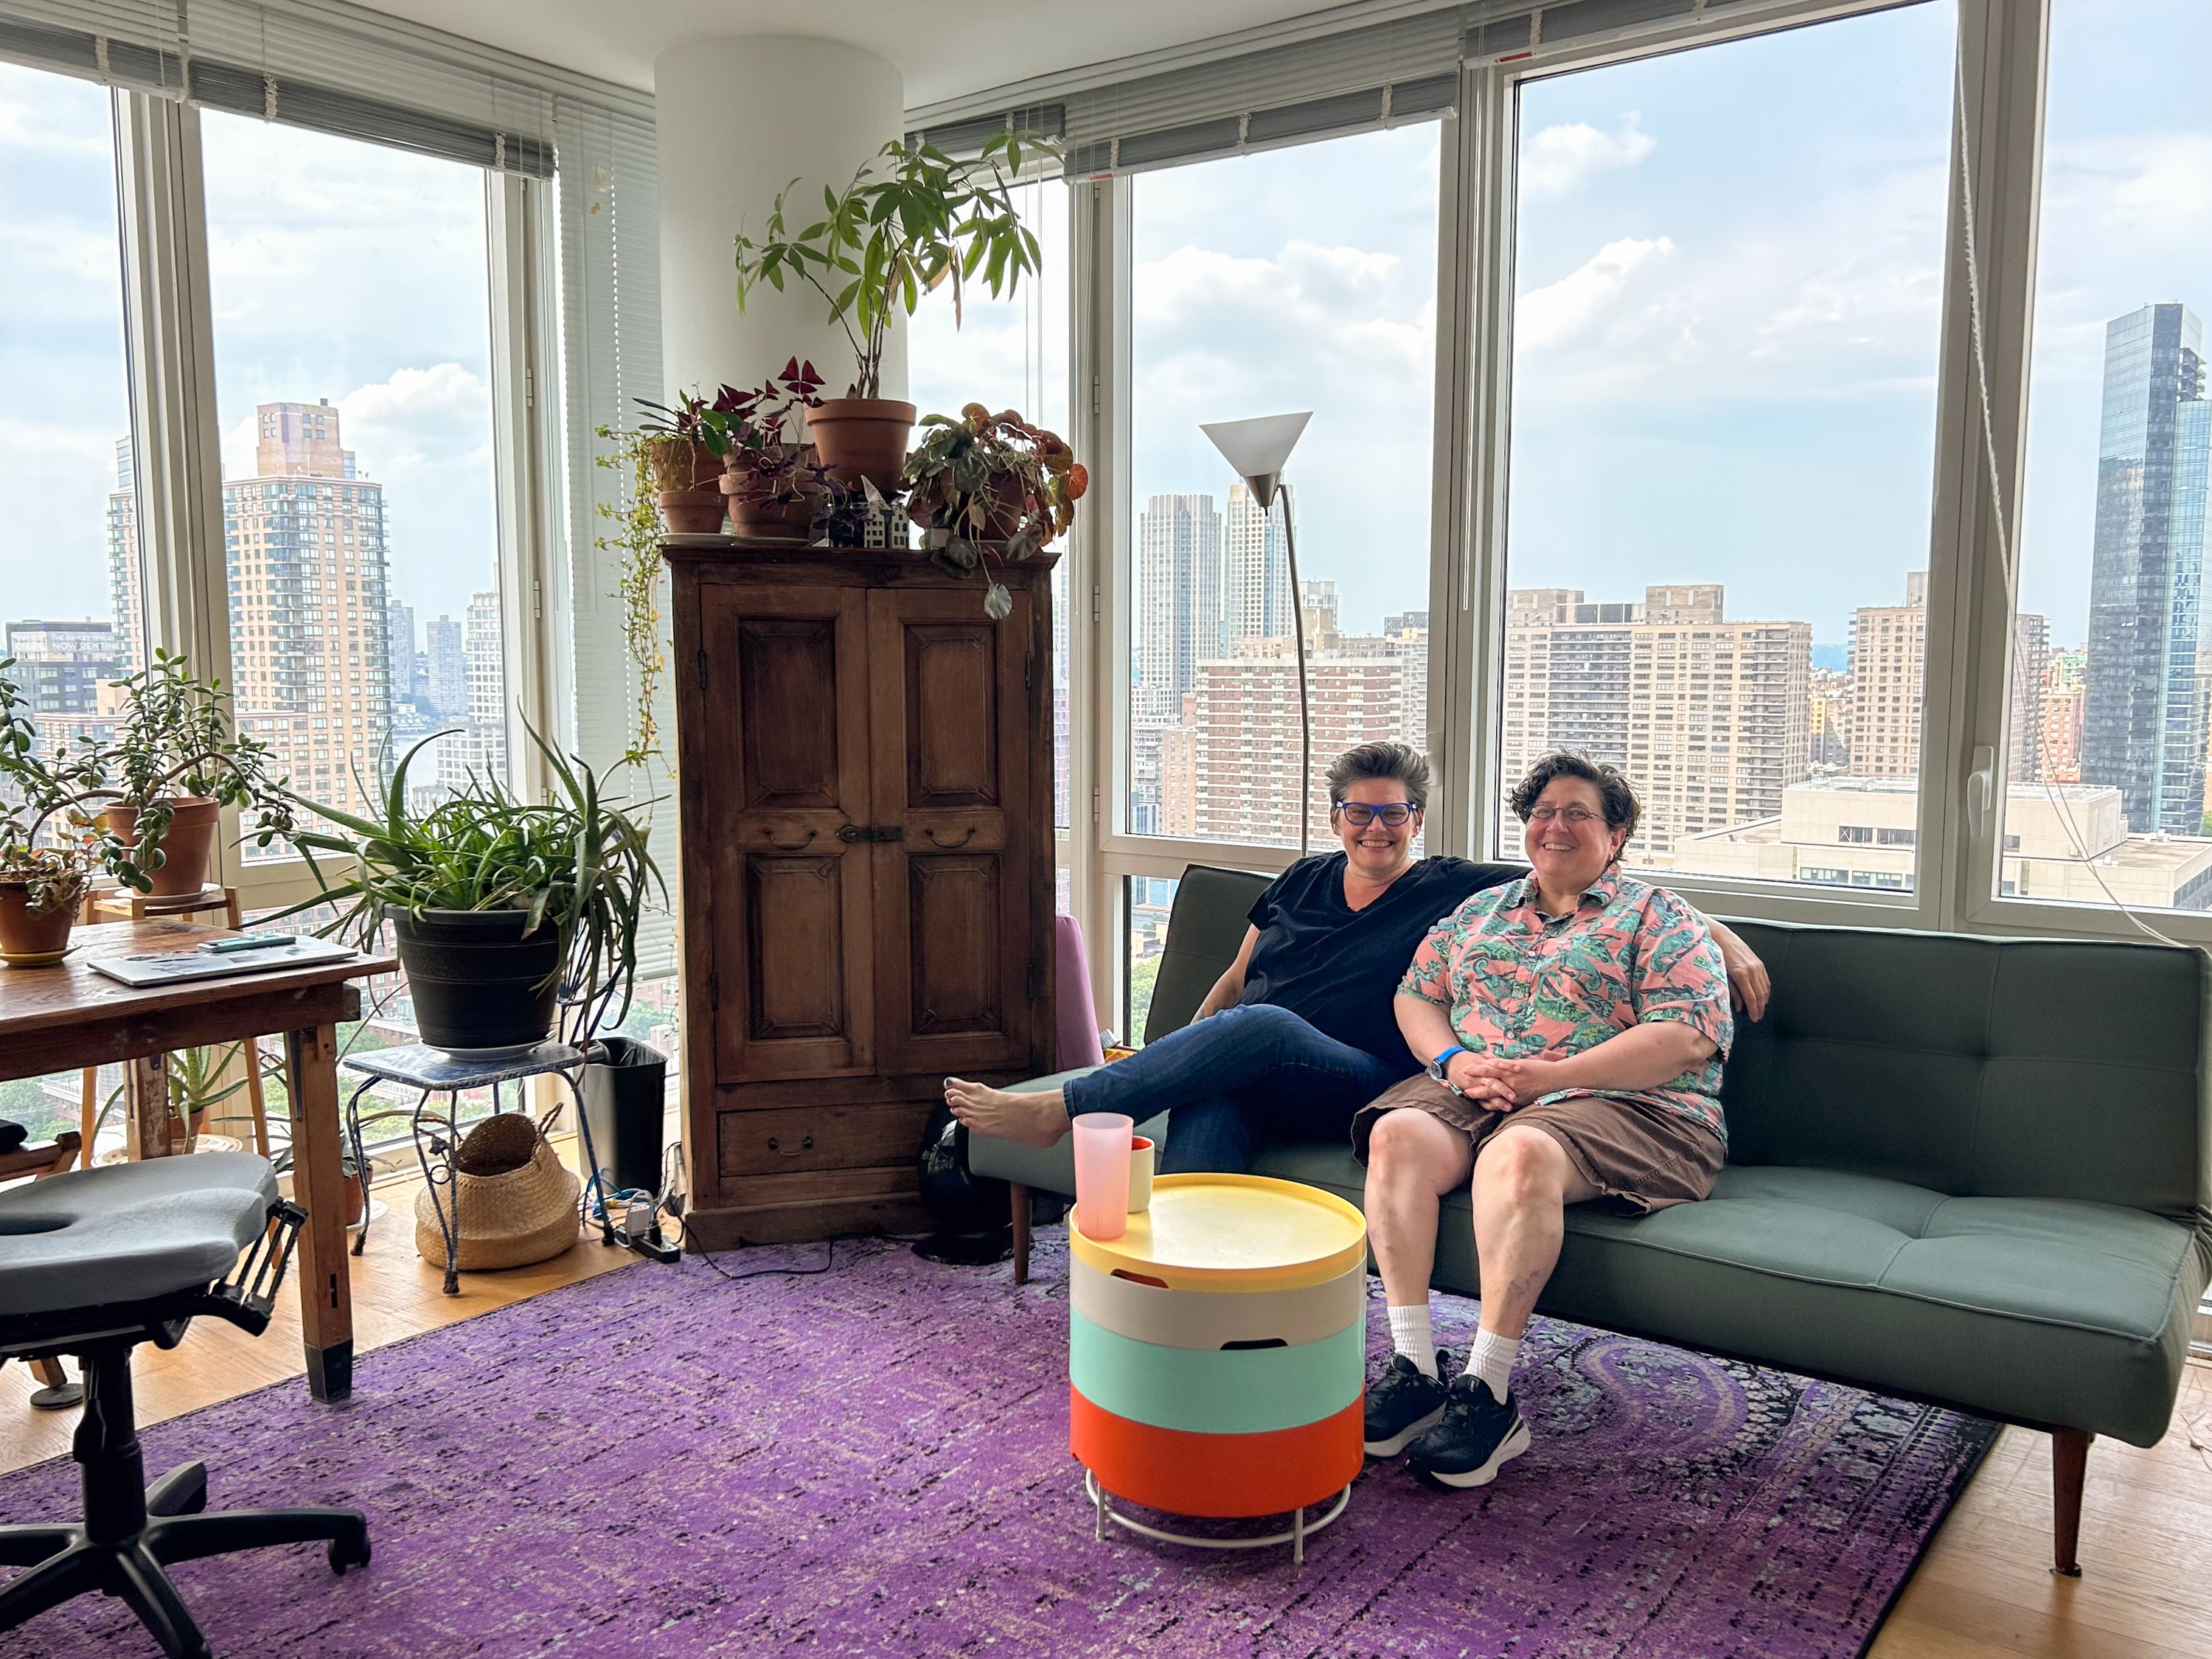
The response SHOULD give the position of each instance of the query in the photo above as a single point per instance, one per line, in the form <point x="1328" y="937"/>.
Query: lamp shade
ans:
<point x="1257" y="449"/>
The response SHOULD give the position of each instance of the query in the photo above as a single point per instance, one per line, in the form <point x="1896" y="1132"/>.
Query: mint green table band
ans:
<point x="1226" y="1391"/>
<point x="1196" y="1318"/>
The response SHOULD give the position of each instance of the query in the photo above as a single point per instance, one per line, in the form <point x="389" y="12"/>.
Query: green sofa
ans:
<point x="1972" y="1171"/>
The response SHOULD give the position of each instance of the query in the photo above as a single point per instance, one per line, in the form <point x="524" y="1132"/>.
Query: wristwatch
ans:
<point x="1438" y="1067"/>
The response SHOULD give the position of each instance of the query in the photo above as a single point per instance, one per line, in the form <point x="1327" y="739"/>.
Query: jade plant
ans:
<point x="913" y="219"/>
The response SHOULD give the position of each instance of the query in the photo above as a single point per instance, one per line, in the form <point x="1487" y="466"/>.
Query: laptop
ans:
<point x="176" y="967"/>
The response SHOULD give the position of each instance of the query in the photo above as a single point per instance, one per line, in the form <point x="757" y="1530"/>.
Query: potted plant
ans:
<point x="986" y="481"/>
<point x="684" y="449"/>
<point x="769" y="472"/>
<point x="43" y="879"/>
<point x="501" y="910"/>
<point x="175" y="762"/>
<point x="911" y="218"/>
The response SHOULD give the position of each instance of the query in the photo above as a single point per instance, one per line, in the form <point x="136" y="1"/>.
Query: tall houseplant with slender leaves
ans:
<point x="913" y="219"/>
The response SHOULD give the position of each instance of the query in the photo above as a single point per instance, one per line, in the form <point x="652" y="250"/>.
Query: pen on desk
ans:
<point x="247" y="942"/>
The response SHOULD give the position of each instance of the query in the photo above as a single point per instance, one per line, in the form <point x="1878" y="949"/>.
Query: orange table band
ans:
<point x="1216" y="1474"/>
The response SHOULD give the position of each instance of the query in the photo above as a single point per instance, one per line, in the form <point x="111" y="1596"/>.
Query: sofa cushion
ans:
<point x="2047" y="1311"/>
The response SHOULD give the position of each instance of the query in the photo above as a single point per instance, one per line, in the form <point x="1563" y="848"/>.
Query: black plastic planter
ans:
<point x="625" y="1089"/>
<point x="478" y="984"/>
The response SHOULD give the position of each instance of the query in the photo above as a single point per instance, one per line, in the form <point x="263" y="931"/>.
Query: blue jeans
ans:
<point x="1238" y="1082"/>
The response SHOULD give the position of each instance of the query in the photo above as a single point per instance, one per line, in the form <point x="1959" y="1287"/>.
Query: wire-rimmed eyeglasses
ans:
<point x="1574" y="817"/>
<point x="1360" y="813"/>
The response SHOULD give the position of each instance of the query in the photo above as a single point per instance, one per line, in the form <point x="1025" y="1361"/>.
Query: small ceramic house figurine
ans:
<point x="883" y="524"/>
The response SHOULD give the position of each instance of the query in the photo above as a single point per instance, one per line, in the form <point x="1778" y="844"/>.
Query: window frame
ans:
<point x="1999" y="75"/>
<point x="169" y="324"/>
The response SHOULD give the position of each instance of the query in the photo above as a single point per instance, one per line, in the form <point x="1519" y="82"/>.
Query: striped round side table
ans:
<point x="1217" y="1355"/>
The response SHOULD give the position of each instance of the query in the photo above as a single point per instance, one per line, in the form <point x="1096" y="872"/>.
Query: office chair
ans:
<point x="93" y="1263"/>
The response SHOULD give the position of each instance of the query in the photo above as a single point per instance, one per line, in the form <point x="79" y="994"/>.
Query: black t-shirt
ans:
<point x="1338" y="968"/>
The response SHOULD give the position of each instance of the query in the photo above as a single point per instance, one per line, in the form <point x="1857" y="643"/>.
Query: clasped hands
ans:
<point x="1499" y="1084"/>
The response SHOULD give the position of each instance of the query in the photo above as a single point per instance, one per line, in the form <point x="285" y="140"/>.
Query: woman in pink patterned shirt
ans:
<point x="1573" y="1024"/>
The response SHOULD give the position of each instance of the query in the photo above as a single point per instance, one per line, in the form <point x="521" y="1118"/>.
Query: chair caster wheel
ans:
<point x="348" y="1553"/>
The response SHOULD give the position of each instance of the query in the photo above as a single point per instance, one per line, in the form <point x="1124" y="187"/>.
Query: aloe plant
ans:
<point x="576" y="861"/>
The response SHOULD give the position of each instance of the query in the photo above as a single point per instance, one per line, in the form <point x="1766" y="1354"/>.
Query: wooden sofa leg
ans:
<point x="1019" y="1201"/>
<point x="2069" y="1464"/>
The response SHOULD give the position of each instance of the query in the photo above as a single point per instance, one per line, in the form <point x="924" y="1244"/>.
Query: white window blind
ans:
<point x="1239" y="93"/>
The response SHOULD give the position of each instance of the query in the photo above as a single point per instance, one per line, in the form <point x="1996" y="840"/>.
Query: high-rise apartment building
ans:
<point x="304" y="546"/>
<point x="400" y="651"/>
<point x="2143" y="716"/>
<point x="1255" y="571"/>
<point x="2031" y="670"/>
<point x="1178" y="602"/>
<point x="1709" y="717"/>
<point x="1889" y="652"/>
<point x="1179" y="772"/>
<point x="1245" y="741"/>
<point x="125" y="601"/>
<point x="485" y="663"/>
<point x="445" y="668"/>
<point x="1828" y="728"/>
<point x="61" y="666"/>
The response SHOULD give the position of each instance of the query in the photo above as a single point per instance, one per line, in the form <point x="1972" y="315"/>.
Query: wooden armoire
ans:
<point x="865" y="766"/>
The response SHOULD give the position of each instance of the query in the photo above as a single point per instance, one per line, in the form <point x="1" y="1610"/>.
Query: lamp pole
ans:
<point x="1305" y="707"/>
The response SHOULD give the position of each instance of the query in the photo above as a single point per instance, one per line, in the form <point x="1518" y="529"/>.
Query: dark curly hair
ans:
<point x="1621" y="807"/>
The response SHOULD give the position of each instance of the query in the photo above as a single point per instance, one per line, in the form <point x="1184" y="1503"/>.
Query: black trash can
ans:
<point x="625" y="1085"/>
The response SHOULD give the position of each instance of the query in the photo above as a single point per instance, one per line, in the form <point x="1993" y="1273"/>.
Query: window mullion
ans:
<point x="2002" y="45"/>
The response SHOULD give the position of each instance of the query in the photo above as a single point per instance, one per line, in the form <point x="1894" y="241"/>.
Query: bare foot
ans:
<point x="1037" y="1120"/>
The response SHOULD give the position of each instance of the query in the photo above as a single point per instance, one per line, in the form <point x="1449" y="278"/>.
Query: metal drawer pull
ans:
<point x="853" y="832"/>
<point x="962" y="841"/>
<point x="804" y="1146"/>
<point x="788" y="846"/>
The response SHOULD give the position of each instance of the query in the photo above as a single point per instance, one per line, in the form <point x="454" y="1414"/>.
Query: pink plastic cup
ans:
<point x="1102" y="1174"/>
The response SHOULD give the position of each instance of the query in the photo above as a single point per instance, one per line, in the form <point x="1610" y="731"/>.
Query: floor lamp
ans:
<point x="1257" y="450"/>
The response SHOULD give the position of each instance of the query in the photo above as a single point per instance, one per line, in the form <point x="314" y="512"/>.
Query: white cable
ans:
<point x="2005" y="555"/>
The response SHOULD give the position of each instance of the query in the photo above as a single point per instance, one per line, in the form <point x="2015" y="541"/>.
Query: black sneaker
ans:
<point x="1400" y="1404"/>
<point x="1478" y="1435"/>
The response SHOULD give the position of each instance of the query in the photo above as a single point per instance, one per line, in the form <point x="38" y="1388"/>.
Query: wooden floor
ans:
<point x="1983" y="1590"/>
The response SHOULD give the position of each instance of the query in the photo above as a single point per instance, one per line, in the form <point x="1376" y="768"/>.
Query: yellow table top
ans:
<point x="1232" y="1232"/>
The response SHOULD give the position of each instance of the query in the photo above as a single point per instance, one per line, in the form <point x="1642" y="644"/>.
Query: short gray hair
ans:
<point x="1398" y="763"/>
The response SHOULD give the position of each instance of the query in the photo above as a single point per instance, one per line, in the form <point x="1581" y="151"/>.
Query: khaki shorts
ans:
<point x="1639" y="1158"/>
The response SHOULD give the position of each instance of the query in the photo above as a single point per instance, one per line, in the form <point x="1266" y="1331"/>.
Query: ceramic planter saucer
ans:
<point x="35" y="958"/>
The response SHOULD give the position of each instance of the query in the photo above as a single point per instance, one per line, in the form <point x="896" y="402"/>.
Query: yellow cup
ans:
<point x="1141" y="1156"/>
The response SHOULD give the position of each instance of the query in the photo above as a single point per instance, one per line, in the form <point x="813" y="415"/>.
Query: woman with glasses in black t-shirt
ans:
<point x="1300" y="1032"/>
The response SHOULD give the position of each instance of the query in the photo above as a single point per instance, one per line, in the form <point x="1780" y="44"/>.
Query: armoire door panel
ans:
<point x="952" y="713"/>
<point x="955" y="917"/>
<point x="787" y="689"/>
<point x="951" y="754"/>
<point x="786" y="675"/>
<point x="795" y="918"/>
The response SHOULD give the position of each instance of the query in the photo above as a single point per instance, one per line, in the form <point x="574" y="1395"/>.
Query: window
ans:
<point x="2106" y="701"/>
<point x="1149" y="901"/>
<point x="1299" y="279"/>
<point x="1725" y="332"/>
<point x="349" y="289"/>
<point x="64" y="397"/>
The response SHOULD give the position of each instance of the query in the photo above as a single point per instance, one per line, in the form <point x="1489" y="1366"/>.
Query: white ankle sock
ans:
<point x="1409" y="1331"/>
<point x="1492" y="1359"/>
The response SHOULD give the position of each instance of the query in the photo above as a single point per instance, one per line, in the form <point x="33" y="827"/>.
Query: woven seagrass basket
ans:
<point x="516" y="1199"/>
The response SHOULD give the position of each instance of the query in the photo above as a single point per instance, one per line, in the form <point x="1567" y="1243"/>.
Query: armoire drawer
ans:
<point x="785" y="1140"/>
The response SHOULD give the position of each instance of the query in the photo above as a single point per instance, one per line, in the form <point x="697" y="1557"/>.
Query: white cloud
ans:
<point x="1558" y="158"/>
<point x="1557" y="312"/>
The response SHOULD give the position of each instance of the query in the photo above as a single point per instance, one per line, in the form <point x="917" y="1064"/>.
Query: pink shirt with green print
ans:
<point x="1524" y="986"/>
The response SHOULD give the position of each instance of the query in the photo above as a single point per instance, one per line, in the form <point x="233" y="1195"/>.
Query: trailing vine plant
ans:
<point x="635" y="540"/>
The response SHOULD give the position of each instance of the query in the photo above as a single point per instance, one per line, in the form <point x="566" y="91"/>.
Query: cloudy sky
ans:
<point x="1728" y="270"/>
<point x="336" y="269"/>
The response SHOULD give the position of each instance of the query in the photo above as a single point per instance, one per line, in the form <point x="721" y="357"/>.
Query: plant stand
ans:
<point x="434" y="1072"/>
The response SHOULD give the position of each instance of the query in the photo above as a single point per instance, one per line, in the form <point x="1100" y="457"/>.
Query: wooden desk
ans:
<point x="59" y="1019"/>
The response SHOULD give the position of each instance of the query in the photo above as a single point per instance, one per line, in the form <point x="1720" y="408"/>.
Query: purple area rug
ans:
<point x="660" y="1461"/>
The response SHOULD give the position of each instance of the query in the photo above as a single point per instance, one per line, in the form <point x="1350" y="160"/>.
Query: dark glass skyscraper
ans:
<point x="2143" y="713"/>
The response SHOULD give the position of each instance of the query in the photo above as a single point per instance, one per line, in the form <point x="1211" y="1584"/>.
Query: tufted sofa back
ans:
<point x="1980" y="1067"/>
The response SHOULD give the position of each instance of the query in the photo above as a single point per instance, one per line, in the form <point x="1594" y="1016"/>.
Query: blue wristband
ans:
<point x="1437" y="1066"/>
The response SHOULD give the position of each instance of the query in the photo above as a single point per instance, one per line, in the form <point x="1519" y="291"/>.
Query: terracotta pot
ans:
<point x="692" y="511"/>
<point x="863" y="438"/>
<point x="791" y="517"/>
<point x="679" y="463"/>
<point x="29" y="941"/>
<point x="187" y="848"/>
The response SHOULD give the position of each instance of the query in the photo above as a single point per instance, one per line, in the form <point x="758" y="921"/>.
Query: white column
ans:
<point x="739" y="118"/>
